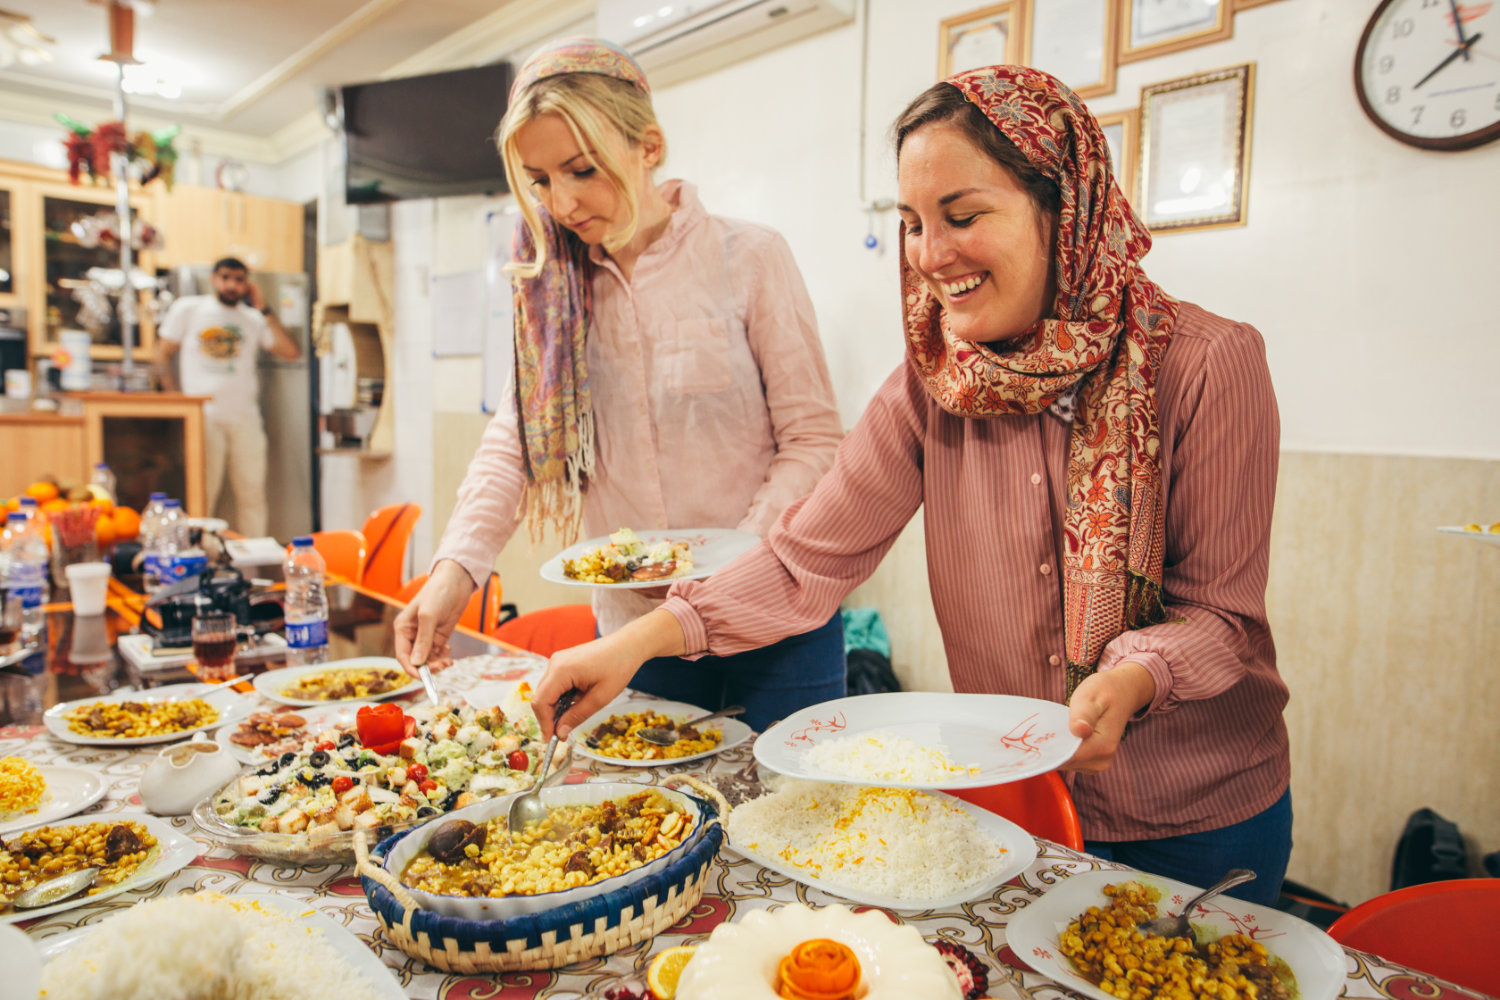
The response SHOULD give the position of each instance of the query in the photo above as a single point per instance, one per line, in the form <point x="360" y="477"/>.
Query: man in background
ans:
<point x="219" y="336"/>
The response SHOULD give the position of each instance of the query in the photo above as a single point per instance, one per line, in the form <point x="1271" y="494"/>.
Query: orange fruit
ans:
<point x="127" y="524"/>
<point x="104" y="531"/>
<point x="42" y="491"/>
<point x="14" y="503"/>
<point x="104" y="504"/>
<point x="54" y="505"/>
<point x="666" y="969"/>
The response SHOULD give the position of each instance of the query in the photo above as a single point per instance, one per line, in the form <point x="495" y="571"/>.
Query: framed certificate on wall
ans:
<point x="1157" y="27"/>
<point x="985" y="37"/>
<point x="1074" y="40"/>
<point x="1122" y="132"/>
<point x="1195" y="150"/>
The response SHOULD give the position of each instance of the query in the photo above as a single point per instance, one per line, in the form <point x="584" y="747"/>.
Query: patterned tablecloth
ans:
<point x="737" y="886"/>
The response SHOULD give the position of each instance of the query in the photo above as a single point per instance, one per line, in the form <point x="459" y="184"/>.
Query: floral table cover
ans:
<point x="737" y="885"/>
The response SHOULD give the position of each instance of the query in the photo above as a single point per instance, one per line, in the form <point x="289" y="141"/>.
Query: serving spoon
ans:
<point x="663" y="736"/>
<point x="527" y="807"/>
<point x="55" y="890"/>
<point x="1178" y="926"/>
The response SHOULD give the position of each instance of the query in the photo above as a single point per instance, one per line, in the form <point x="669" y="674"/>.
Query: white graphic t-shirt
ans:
<point x="218" y="356"/>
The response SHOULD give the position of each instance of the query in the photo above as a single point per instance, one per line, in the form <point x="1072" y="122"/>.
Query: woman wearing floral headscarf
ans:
<point x="668" y="375"/>
<point x="1097" y="464"/>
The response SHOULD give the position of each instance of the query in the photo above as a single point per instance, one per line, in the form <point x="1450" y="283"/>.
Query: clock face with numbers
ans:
<point x="1428" y="71"/>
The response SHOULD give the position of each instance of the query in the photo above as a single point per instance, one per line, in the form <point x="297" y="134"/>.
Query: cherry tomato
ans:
<point x="417" y="772"/>
<point x="342" y="784"/>
<point x="518" y="761"/>
<point x="427" y="784"/>
<point x="325" y="745"/>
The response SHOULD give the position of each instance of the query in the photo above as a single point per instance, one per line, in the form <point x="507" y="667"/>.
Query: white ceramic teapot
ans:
<point x="181" y="776"/>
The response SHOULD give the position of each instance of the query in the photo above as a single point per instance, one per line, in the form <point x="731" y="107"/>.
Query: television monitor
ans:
<point x="424" y="136"/>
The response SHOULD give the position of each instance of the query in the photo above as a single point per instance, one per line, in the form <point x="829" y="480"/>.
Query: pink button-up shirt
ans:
<point x="1211" y="749"/>
<point x="712" y="402"/>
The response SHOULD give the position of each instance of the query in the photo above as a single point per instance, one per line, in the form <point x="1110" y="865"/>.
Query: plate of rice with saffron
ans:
<point x="250" y="947"/>
<point x="917" y="739"/>
<point x="896" y="848"/>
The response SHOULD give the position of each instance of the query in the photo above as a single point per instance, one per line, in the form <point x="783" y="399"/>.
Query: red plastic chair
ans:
<point x="549" y="629"/>
<point x="481" y="614"/>
<point x="343" y="552"/>
<point x="1438" y="928"/>
<point x="387" y="531"/>
<point x="1040" y="805"/>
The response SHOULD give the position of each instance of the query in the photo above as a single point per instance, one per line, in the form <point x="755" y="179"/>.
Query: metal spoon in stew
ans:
<point x="663" y="736"/>
<point x="55" y="890"/>
<point x="527" y="807"/>
<point x="1178" y="926"/>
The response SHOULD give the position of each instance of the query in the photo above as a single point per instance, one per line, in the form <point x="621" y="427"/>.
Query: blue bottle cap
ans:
<point x="29" y="502"/>
<point x="158" y="496"/>
<point x="172" y="503"/>
<point x="302" y="541"/>
<point x="17" y="515"/>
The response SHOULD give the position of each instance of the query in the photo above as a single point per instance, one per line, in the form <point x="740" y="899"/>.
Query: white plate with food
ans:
<point x="1315" y="960"/>
<point x="1479" y="532"/>
<point x="287" y="948"/>
<point x="896" y="848"/>
<point x="211" y="524"/>
<point x="137" y="718"/>
<point x="619" y="741"/>
<point x="169" y="855"/>
<point x="659" y="557"/>
<point x="263" y="736"/>
<point x="66" y="791"/>
<point x="362" y="678"/>
<point x="917" y="739"/>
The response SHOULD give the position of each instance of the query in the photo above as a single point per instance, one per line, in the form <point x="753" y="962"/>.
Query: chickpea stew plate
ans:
<point x="1316" y="961"/>
<point x="733" y="731"/>
<point x="152" y="715"/>
<point x="362" y="678"/>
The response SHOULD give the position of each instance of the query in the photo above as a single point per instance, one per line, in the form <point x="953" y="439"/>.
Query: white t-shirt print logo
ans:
<point x="220" y="346"/>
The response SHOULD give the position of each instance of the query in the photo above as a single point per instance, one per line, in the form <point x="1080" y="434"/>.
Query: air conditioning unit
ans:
<point x="677" y="39"/>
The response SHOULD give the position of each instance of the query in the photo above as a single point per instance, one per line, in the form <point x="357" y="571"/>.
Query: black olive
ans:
<point x="352" y="763"/>
<point x="269" y="769"/>
<point x="270" y="797"/>
<point x="319" y="758"/>
<point x="287" y="758"/>
<point x="426" y="811"/>
<point x="346" y="740"/>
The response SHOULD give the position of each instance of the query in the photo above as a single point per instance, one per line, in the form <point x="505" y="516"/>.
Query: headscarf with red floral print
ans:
<point x="1103" y="344"/>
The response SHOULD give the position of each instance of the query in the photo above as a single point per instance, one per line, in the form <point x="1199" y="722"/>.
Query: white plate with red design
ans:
<point x="984" y="739"/>
<point x="712" y="550"/>
<point x="1315" y="959"/>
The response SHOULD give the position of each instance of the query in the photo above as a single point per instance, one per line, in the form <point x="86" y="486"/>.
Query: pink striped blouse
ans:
<point x="1211" y="749"/>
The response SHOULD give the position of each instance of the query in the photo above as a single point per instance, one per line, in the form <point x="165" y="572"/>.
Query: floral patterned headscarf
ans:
<point x="1102" y="347"/>
<point x="553" y="403"/>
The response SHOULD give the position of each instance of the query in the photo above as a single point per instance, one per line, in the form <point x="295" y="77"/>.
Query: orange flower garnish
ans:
<point x="819" y="969"/>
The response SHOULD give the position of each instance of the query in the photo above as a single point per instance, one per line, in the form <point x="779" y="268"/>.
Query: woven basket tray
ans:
<point x="599" y="925"/>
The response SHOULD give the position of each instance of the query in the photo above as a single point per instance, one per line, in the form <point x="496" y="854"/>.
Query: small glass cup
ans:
<point x="215" y="639"/>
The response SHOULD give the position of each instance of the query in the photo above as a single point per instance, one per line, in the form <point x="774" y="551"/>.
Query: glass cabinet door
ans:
<point x="67" y="257"/>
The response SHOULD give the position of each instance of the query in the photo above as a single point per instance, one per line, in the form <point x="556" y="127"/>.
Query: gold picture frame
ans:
<point x="968" y="41"/>
<point x="1195" y="150"/>
<point x="1059" y="36"/>
<point x="1122" y="130"/>
<point x="1150" y="28"/>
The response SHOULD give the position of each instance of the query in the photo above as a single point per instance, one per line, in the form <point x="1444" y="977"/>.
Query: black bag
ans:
<point x="1430" y="850"/>
<point x="870" y="673"/>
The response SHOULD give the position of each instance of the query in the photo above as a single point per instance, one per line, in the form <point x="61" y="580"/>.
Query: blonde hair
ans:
<point x="597" y="109"/>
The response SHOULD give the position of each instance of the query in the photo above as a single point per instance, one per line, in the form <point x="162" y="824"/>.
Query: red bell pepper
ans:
<point x="383" y="727"/>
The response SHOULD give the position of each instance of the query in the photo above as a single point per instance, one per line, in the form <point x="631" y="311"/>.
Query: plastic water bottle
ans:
<point x="103" y="478"/>
<point x="34" y="514"/>
<point x="150" y="538"/>
<point x="172" y="540"/>
<point x="306" y="604"/>
<point x="23" y="558"/>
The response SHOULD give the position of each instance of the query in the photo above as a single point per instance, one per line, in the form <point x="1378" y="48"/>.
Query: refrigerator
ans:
<point x="288" y="403"/>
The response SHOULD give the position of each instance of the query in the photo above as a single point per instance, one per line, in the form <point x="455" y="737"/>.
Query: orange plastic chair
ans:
<point x="1438" y="928"/>
<point x="549" y="629"/>
<point x="343" y="552"/>
<point x="481" y="614"/>
<point x="1041" y="805"/>
<point x="387" y="531"/>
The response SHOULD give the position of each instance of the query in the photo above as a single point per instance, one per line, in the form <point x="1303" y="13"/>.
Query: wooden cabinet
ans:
<point x="203" y="224"/>
<point x="356" y="285"/>
<point x="8" y="296"/>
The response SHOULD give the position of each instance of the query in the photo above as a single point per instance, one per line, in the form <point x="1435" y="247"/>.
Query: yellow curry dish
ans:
<point x="617" y="737"/>
<point x="128" y="720"/>
<point x="346" y="685"/>
<point x="117" y="849"/>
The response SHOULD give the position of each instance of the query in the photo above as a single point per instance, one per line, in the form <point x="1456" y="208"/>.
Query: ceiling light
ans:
<point x="21" y="42"/>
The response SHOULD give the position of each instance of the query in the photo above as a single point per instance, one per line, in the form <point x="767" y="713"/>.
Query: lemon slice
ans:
<point x="666" y="969"/>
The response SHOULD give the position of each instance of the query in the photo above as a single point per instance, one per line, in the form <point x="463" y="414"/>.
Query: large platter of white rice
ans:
<point x="897" y="848"/>
<point x="920" y="739"/>
<point x="205" y="946"/>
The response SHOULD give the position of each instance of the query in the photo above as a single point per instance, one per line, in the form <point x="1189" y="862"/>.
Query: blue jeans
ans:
<point x="771" y="682"/>
<point x="1262" y="843"/>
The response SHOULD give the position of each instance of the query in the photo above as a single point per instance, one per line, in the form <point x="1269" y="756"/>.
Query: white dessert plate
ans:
<point x="232" y="707"/>
<point x="174" y="849"/>
<point x="734" y="731"/>
<point x="1020" y="852"/>
<point x="713" y="549"/>
<point x="1315" y="959"/>
<point x="272" y="683"/>
<point x="1493" y="537"/>
<point x="1005" y="737"/>
<point x="70" y="790"/>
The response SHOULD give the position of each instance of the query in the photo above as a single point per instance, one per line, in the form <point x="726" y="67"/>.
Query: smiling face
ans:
<point x="974" y="235"/>
<point x="574" y="190"/>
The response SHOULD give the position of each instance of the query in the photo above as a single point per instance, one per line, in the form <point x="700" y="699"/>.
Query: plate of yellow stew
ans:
<point x="365" y="678"/>
<point x="136" y="718"/>
<point x="615" y="727"/>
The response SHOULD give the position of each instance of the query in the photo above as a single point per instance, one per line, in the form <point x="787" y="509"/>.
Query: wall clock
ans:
<point x="1427" y="72"/>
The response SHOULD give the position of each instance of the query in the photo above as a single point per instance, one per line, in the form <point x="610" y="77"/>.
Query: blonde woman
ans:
<point x="668" y="375"/>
